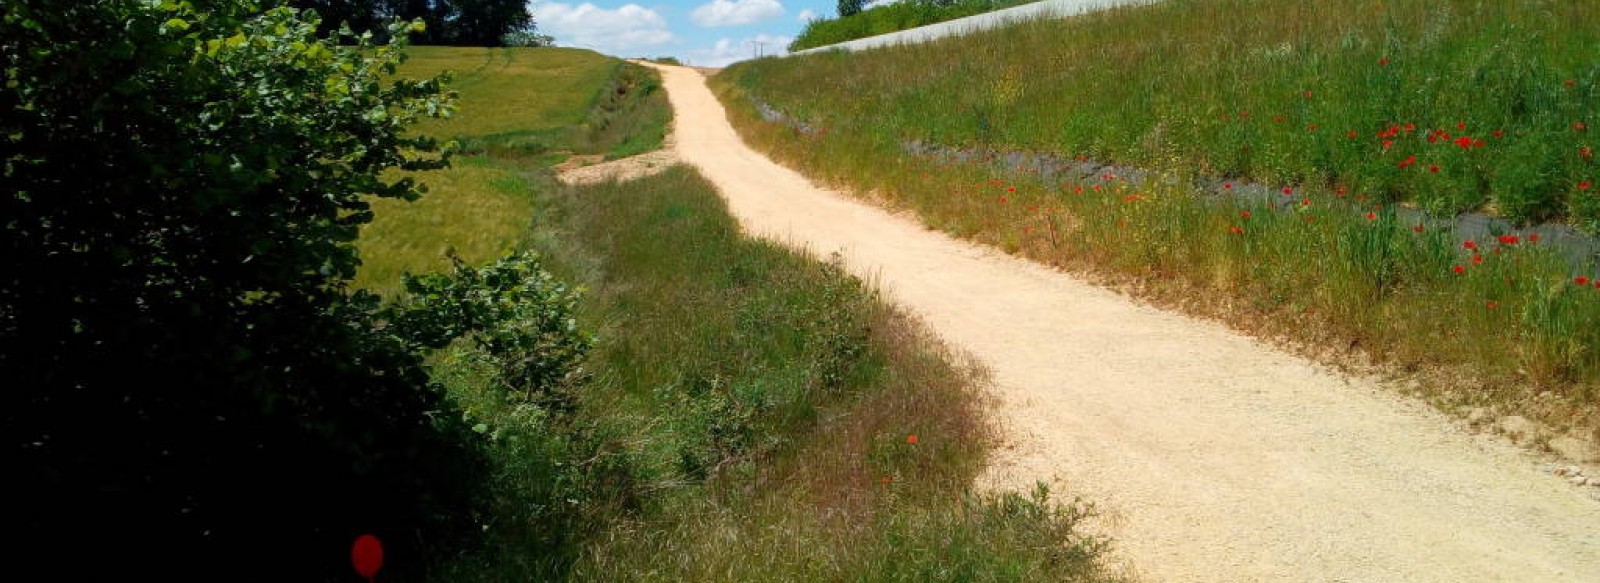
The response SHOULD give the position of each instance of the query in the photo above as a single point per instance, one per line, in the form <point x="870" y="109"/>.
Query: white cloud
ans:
<point x="806" y="15"/>
<point x="735" y="12"/>
<point x="727" y="50"/>
<point x="621" y="32"/>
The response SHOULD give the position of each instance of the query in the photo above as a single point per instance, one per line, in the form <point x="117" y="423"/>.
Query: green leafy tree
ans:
<point x="484" y="23"/>
<point x="190" y="389"/>
<point x="850" y="7"/>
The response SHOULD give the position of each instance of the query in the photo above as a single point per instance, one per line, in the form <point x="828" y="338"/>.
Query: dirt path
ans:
<point x="1217" y="458"/>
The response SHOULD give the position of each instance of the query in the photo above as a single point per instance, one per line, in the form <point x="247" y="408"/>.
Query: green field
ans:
<point x="1347" y="111"/>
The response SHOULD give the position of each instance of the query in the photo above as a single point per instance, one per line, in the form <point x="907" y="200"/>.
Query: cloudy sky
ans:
<point x="708" y="33"/>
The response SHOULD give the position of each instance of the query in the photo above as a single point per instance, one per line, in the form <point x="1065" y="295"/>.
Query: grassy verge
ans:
<point x="892" y="18"/>
<point x="1500" y="323"/>
<point x="745" y="413"/>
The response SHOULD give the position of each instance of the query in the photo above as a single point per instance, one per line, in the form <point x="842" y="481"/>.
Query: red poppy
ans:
<point x="1408" y="161"/>
<point x="1411" y="127"/>
<point x="1570" y="82"/>
<point x="1002" y="200"/>
<point x="1461" y="125"/>
<point x="1580" y="280"/>
<point x="1464" y="141"/>
<point x="1305" y="202"/>
<point x="1383" y="62"/>
<point x="1372" y="216"/>
<point x="1352" y="134"/>
<point x="1579" y="126"/>
<point x="1509" y="239"/>
<point x="1477" y="260"/>
<point x="1307" y="94"/>
<point x="1287" y="190"/>
<point x="1236" y="230"/>
<point x="1387" y="144"/>
<point x="911" y="438"/>
<point x="1418" y="228"/>
<point x="1227" y="186"/>
<point x="1477" y="143"/>
<point x="1434" y="168"/>
<point x="1078" y="190"/>
<point x="1311" y="127"/>
<point x="1459" y="269"/>
<point x="1533" y="237"/>
<point x="1033" y="209"/>
<point x="1011" y="189"/>
<point x="1097" y="188"/>
<point x="1492" y="305"/>
<point x="1245" y="214"/>
<point x="1586" y="152"/>
<point x="1469" y="244"/>
<point x="1583" y="185"/>
<point x="1499" y="133"/>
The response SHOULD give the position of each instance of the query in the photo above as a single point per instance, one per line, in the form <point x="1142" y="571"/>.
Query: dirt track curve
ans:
<point x="1215" y="457"/>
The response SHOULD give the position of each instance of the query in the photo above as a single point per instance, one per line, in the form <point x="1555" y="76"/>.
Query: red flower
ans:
<point x="1464" y="141"/>
<point x="1097" y="188"/>
<point x="1509" y="239"/>
<point x="1277" y="119"/>
<point x="1033" y="209"/>
<point x="1434" y="168"/>
<point x="1579" y="126"/>
<point x="1477" y="143"/>
<point x="1411" y="127"/>
<point x="1492" y="305"/>
<point x="1305" y="202"/>
<point x="1469" y="244"/>
<point x="1307" y="94"/>
<point x="1002" y="200"/>
<point x="1311" y="127"/>
<point x="1245" y="214"/>
<point x="1461" y="125"/>
<point x="1586" y="152"/>
<point x="1227" y="186"/>
<point x="1078" y="190"/>
<point x="1418" y="228"/>
<point x="1477" y="260"/>
<point x="1583" y="185"/>
<point x="1580" y="280"/>
<point x="1288" y="190"/>
<point x="1383" y="62"/>
<point x="1499" y="133"/>
<point x="1570" y="82"/>
<point x="1352" y="134"/>
<point x="1459" y="269"/>
<point x="1408" y="161"/>
<point x="1011" y="189"/>
<point x="911" y="438"/>
<point x="1387" y="144"/>
<point x="886" y="480"/>
<point x="1236" y="230"/>
<point x="1372" y="216"/>
<point x="1533" y="237"/>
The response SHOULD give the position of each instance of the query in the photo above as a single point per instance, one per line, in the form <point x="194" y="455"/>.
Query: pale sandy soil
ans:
<point x="1215" y="457"/>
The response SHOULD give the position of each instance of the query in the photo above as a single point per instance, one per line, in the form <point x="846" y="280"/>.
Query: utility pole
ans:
<point x="758" y="47"/>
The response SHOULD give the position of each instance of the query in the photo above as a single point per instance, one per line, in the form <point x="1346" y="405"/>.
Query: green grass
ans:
<point x="1513" y="331"/>
<point x="892" y="18"/>
<point x="519" y="110"/>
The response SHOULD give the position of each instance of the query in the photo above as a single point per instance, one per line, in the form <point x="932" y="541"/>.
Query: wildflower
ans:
<point x="1492" y="305"/>
<point x="911" y="438"/>
<point x="1459" y="269"/>
<point x="1383" y="62"/>
<point x="1288" y="190"/>
<point x="1579" y="126"/>
<point x="1002" y="200"/>
<point x="1580" y="280"/>
<point x="1307" y="94"/>
<point x="1477" y="260"/>
<point x="1570" y="82"/>
<point x="1011" y="189"/>
<point x="1434" y="168"/>
<point x="1351" y="134"/>
<point x="1032" y="209"/>
<point x="1461" y="125"/>
<point x="1533" y="237"/>
<point x="1372" y="216"/>
<point x="1305" y="202"/>
<point x="1408" y="161"/>
<point x="1227" y="186"/>
<point x="1586" y="152"/>
<point x="1583" y="185"/>
<point x="1097" y="188"/>
<point x="1411" y="127"/>
<point x="1509" y="239"/>
<point x="1499" y="133"/>
<point x="1277" y="119"/>
<point x="1236" y="230"/>
<point x="1387" y="144"/>
<point x="886" y="480"/>
<point x="1245" y="214"/>
<point x="1464" y="141"/>
<point x="1418" y="228"/>
<point x="1078" y="190"/>
<point x="1469" y="244"/>
<point x="1478" y="143"/>
<point x="1311" y="127"/>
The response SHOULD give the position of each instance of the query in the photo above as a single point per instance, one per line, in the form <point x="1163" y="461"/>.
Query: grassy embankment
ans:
<point x="891" y="18"/>
<point x="748" y="413"/>
<point x="1349" y="108"/>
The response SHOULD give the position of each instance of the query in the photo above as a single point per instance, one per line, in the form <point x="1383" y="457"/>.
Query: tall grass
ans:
<point x="892" y="18"/>
<point x="1327" y="260"/>
<point x="1496" y="101"/>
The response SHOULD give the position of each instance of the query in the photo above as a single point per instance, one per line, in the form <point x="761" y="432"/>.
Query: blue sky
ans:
<point x="707" y="33"/>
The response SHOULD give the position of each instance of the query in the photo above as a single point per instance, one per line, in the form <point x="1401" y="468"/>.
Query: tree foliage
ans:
<point x="850" y="7"/>
<point x="190" y="388"/>
<point x="448" y="22"/>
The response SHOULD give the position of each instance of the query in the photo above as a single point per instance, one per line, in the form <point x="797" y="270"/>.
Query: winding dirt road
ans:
<point x="1215" y="457"/>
